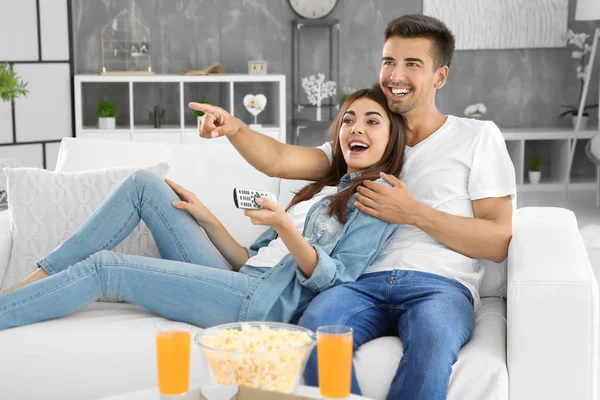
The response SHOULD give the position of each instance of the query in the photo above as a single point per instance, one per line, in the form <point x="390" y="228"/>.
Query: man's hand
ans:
<point x="272" y="215"/>
<point x="216" y="121"/>
<point x="392" y="204"/>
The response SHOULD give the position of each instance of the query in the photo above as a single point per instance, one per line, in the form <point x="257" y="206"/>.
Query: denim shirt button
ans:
<point x="248" y="297"/>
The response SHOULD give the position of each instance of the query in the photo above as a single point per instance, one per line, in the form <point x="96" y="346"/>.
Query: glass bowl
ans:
<point x="265" y="355"/>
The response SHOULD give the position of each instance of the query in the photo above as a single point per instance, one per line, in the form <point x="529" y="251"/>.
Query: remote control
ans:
<point x="245" y="198"/>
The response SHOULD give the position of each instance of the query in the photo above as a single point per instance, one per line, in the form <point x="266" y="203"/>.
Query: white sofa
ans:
<point x="538" y="343"/>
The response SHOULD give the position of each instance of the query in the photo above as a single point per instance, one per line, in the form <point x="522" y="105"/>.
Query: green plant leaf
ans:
<point x="534" y="162"/>
<point x="575" y="110"/>
<point x="11" y="85"/>
<point x="107" y="109"/>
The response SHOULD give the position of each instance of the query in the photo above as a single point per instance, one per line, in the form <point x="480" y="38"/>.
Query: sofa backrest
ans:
<point x="211" y="170"/>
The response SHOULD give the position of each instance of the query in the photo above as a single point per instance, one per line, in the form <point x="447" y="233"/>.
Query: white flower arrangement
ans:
<point x="579" y="40"/>
<point x="317" y="89"/>
<point x="475" y="110"/>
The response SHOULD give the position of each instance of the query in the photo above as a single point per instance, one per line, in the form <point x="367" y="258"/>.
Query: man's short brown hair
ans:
<point x="416" y="26"/>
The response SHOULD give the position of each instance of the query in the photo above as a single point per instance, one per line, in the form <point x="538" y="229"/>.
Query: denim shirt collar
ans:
<point x="348" y="178"/>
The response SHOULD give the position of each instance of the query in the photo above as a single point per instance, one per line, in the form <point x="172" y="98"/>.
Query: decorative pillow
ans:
<point x="46" y="207"/>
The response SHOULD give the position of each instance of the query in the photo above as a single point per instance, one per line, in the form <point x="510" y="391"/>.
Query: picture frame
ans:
<point x="257" y="67"/>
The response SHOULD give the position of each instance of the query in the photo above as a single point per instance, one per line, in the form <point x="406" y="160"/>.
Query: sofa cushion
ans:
<point x="212" y="171"/>
<point x="106" y="349"/>
<point x="110" y="348"/>
<point x="479" y="373"/>
<point x="46" y="207"/>
<point x="5" y="242"/>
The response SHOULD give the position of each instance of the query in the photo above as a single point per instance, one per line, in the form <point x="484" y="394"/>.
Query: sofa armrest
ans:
<point x="552" y="309"/>
<point x="5" y="243"/>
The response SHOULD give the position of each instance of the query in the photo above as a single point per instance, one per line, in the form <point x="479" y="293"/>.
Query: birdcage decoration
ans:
<point x="126" y="46"/>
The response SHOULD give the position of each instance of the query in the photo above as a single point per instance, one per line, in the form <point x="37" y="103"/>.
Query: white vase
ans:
<point x="107" y="123"/>
<point x="318" y="113"/>
<point x="584" y="121"/>
<point x="534" y="177"/>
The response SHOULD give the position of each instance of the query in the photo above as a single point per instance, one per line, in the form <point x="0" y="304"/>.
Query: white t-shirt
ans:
<point x="464" y="160"/>
<point x="271" y="255"/>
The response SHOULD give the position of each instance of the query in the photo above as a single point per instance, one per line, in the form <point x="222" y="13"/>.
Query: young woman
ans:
<point x="321" y="241"/>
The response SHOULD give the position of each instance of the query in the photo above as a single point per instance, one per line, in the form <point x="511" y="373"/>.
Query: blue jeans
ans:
<point x="191" y="283"/>
<point x="432" y="315"/>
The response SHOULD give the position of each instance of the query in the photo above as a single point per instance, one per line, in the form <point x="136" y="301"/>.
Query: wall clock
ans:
<point x="312" y="9"/>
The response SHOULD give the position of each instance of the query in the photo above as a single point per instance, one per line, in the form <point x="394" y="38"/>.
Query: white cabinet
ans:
<point x="552" y="146"/>
<point x="176" y="92"/>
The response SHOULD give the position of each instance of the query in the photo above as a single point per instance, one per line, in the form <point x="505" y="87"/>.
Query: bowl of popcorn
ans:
<point x="265" y="355"/>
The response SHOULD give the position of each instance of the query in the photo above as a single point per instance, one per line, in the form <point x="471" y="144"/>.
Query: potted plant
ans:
<point x="107" y="112"/>
<point x="200" y="114"/>
<point x="535" y="169"/>
<point x="573" y="110"/>
<point x="11" y="85"/>
<point x="579" y="41"/>
<point x="156" y="116"/>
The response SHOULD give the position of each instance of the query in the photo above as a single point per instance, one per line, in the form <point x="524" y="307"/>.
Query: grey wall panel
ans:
<point x="6" y="130"/>
<point x="29" y="155"/>
<point x="520" y="87"/>
<point x="45" y="114"/>
<point x="18" y="30"/>
<point x="55" y="30"/>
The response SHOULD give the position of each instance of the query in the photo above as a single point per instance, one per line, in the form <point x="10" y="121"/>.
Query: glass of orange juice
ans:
<point x="334" y="354"/>
<point x="173" y="347"/>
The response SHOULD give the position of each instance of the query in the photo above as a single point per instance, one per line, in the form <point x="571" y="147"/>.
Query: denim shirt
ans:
<point x="344" y="250"/>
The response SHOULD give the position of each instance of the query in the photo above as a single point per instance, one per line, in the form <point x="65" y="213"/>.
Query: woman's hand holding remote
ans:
<point x="275" y="216"/>
<point x="272" y="215"/>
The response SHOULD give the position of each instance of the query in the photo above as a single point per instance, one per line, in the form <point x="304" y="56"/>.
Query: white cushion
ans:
<point x="479" y="373"/>
<point x="5" y="242"/>
<point x="212" y="172"/>
<point x="46" y="207"/>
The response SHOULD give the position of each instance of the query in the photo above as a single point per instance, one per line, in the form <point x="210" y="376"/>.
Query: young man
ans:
<point x="452" y="202"/>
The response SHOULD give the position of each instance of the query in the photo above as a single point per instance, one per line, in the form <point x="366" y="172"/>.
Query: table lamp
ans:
<point x="586" y="10"/>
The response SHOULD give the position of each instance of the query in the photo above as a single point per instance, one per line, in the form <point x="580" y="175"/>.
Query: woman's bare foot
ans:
<point x="35" y="276"/>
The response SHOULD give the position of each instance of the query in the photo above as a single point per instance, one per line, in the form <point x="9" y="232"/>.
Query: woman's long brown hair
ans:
<point x="390" y="162"/>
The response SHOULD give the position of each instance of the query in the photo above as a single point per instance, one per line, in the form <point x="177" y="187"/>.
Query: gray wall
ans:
<point x="521" y="88"/>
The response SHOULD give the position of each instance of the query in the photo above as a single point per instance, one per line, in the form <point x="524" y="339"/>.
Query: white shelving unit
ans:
<point x="183" y="132"/>
<point x="552" y="146"/>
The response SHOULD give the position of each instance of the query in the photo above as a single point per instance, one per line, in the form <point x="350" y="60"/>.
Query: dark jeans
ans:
<point x="432" y="315"/>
